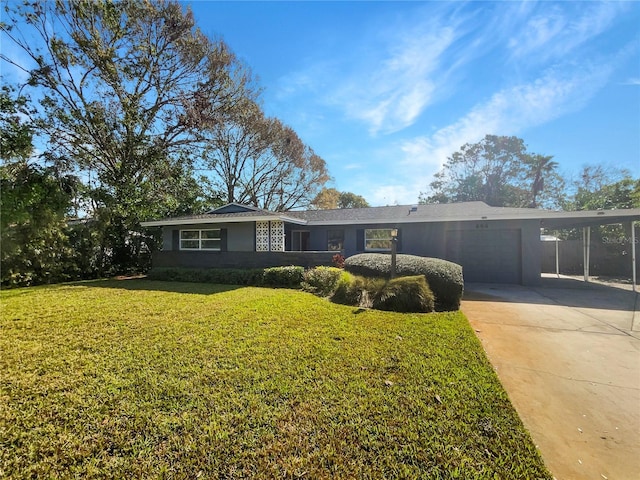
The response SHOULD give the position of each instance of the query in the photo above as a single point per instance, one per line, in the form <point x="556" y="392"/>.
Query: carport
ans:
<point x="553" y="221"/>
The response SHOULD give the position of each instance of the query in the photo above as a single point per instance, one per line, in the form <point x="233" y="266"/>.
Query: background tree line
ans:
<point x="500" y="171"/>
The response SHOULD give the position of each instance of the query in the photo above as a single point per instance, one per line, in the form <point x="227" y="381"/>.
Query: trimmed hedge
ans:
<point x="275" y="276"/>
<point x="443" y="277"/>
<point x="283" y="276"/>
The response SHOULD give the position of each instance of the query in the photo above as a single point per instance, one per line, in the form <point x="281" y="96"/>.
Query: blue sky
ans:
<point x="385" y="91"/>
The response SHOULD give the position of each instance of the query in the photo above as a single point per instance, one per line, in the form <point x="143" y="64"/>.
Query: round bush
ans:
<point x="344" y="292"/>
<point x="443" y="277"/>
<point x="321" y="281"/>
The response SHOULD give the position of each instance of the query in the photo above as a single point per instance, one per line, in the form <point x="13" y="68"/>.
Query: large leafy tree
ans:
<point x="597" y="187"/>
<point x="351" y="200"/>
<point x="16" y="135"/>
<point x="330" y="198"/>
<point x="497" y="170"/>
<point x="34" y="201"/>
<point x="127" y="88"/>
<point x="326" y="199"/>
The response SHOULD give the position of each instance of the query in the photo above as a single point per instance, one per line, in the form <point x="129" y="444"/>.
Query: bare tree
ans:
<point x="261" y="162"/>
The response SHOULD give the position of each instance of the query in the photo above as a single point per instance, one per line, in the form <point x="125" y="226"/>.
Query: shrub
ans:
<point x="405" y="294"/>
<point x="344" y="292"/>
<point x="443" y="277"/>
<point x="338" y="260"/>
<point x="283" y="276"/>
<point x="277" y="276"/>
<point x="321" y="281"/>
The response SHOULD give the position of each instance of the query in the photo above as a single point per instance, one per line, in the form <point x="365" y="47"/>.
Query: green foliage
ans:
<point x="606" y="193"/>
<point x="443" y="277"/>
<point x="321" y="281"/>
<point x="34" y="247"/>
<point x="599" y="188"/>
<point x="345" y="292"/>
<point x="499" y="171"/>
<point x="290" y="276"/>
<point x="405" y="294"/>
<point x="140" y="379"/>
<point x="330" y="198"/>
<point x="16" y="135"/>
<point x="146" y="83"/>
<point x="351" y="200"/>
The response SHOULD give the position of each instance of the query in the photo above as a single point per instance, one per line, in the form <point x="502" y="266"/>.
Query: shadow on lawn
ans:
<point x="552" y="291"/>
<point x="141" y="283"/>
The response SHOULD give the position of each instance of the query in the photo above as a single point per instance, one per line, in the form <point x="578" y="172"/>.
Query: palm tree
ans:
<point x="539" y="167"/>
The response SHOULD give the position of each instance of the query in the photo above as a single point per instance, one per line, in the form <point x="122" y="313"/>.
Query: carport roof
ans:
<point x="398" y="214"/>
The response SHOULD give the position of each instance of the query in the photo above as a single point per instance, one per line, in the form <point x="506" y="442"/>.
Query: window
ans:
<point x="300" y="241"/>
<point x="377" y="240"/>
<point x="200" y="239"/>
<point x="335" y="240"/>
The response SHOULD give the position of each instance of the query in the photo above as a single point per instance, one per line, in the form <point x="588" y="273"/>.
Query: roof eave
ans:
<point x="198" y="221"/>
<point x="588" y="217"/>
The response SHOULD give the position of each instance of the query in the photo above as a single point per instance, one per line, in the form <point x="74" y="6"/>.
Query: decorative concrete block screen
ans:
<point x="262" y="236"/>
<point x="277" y="236"/>
<point x="270" y="236"/>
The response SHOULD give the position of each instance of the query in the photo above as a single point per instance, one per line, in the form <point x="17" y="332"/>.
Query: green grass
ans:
<point x="140" y="379"/>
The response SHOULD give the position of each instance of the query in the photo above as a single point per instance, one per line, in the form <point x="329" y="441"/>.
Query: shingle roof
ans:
<point x="449" y="212"/>
<point x="408" y="213"/>
<point x="214" y="217"/>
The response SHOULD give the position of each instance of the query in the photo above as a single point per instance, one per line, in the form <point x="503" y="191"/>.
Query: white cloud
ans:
<point x="392" y="94"/>
<point x="352" y="166"/>
<point x="560" y="29"/>
<point x="394" y="194"/>
<point x="509" y="112"/>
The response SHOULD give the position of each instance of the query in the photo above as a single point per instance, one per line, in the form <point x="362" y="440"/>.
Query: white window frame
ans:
<point x="366" y="240"/>
<point x="200" y="239"/>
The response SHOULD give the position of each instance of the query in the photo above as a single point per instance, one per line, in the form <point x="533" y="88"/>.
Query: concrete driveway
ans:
<point x="568" y="354"/>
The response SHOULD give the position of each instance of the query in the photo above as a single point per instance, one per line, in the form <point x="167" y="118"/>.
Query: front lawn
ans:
<point x="141" y="379"/>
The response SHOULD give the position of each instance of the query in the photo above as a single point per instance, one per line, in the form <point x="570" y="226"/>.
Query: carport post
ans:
<point x="557" y="261"/>
<point x="586" y="245"/>
<point x="633" y="254"/>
